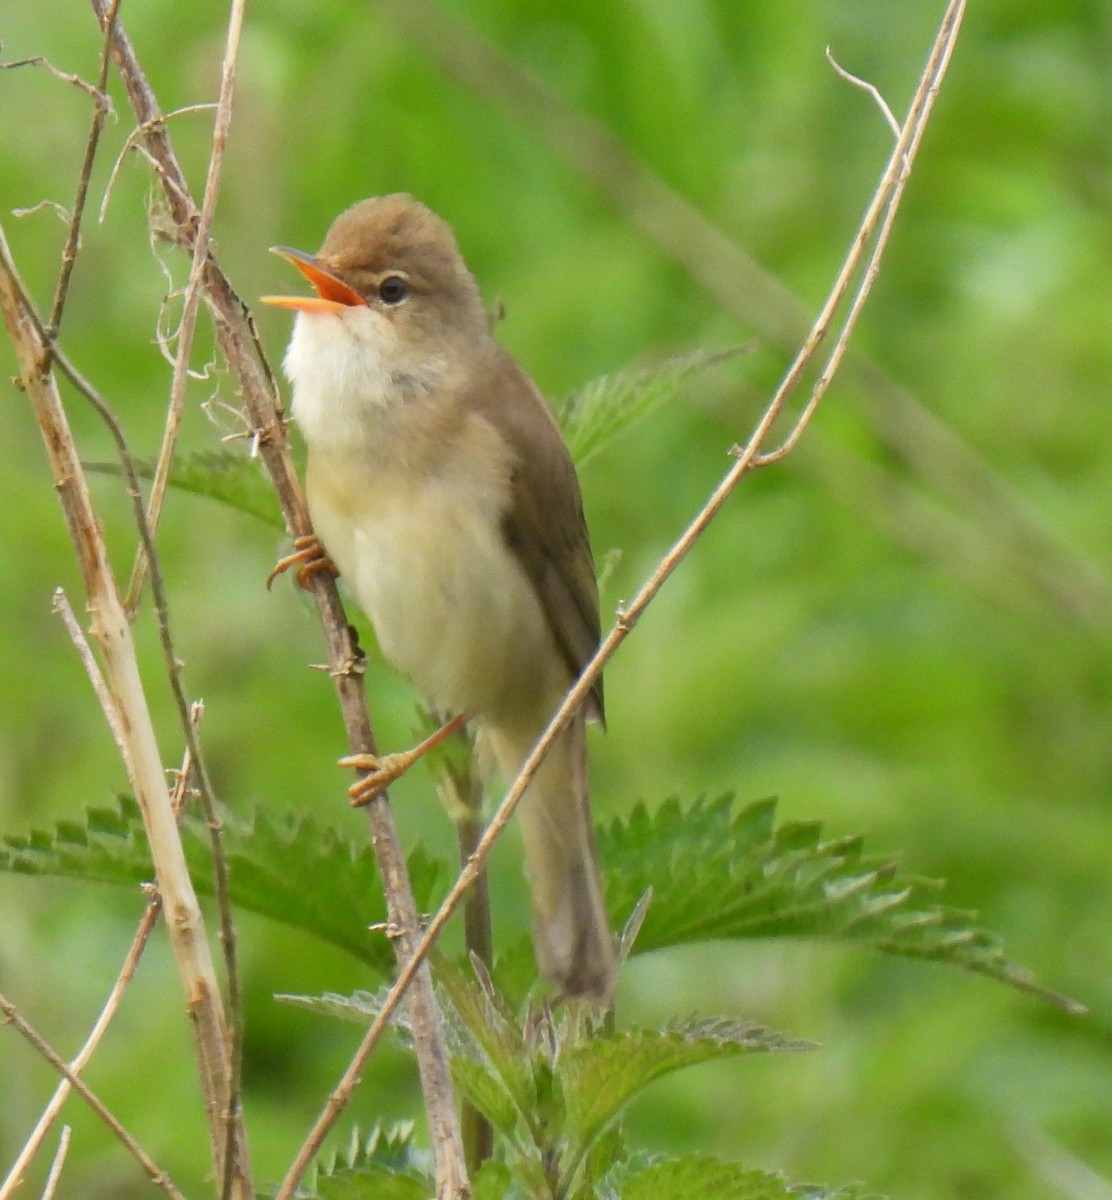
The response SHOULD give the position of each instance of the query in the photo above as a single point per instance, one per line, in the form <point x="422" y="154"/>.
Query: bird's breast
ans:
<point x="416" y="528"/>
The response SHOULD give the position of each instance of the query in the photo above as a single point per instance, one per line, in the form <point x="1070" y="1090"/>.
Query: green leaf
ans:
<point x="493" y="1181"/>
<point x="487" y="1093"/>
<point x="361" y="1007"/>
<point x="289" y="868"/>
<point x="722" y="872"/>
<point x="482" y="1018"/>
<point x="228" y="476"/>
<point x="711" y="1178"/>
<point x="602" y="1074"/>
<point x="373" y="1183"/>
<point x="595" y="414"/>
<point x="379" y="1165"/>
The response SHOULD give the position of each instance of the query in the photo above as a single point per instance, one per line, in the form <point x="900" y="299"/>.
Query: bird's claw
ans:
<point x="309" y="558"/>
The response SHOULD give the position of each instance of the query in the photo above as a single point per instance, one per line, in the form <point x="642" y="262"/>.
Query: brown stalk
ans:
<point x="238" y="342"/>
<point x="111" y="631"/>
<point x="125" y="975"/>
<point x="9" y="1015"/>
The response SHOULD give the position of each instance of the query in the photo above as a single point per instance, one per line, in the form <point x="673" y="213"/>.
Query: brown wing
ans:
<point x="545" y="526"/>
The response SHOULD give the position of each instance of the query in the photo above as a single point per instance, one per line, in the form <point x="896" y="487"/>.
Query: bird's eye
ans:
<point x="393" y="289"/>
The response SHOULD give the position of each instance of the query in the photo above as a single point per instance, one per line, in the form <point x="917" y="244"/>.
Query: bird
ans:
<point x="440" y="487"/>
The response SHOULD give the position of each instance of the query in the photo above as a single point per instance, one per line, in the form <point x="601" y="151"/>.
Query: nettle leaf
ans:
<point x="485" y="1024"/>
<point x="712" y="1178"/>
<point x="494" y="1181"/>
<point x="388" y="1149"/>
<point x="289" y="868"/>
<point x="722" y="871"/>
<point x="595" y="414"/>
<point x="602" y="1074"/>
<point x="228" y="476"/>
<point x="373" y="1183"/>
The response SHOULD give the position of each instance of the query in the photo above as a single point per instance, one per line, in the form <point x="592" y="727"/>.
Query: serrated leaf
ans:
<point x="494" y="1033"/>
<point x="723" y="872"/>
<point x="378" y="1165"/>
<point x="476" y="1084"/>
<point x="227" y="476"/>
<point x="361" y="1007"/>
<point x="493" y="1181"/>
<point x="595" y="414"/>
<point x="289" y="868"/>
<point x="389" y="1149"/>
<point x="602" y="1074"/>
<point x="373" y="1183"/>
<point x="704" y="1176"/>
<point x="711" y="1178"/>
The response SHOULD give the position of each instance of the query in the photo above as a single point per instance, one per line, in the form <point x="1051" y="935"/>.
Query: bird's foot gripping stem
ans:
<point x="309" y="558"/>
<point x="383" y="769"/>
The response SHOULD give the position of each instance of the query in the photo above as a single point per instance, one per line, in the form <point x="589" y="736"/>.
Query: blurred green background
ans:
<point x="902" y="630"/>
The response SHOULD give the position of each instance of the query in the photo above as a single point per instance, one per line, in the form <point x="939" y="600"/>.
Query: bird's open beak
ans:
<point x="333" y="295"/>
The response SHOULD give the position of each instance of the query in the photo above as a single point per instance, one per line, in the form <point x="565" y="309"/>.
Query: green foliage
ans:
<point x="230" y="477"/>
<point x="599" y="411"/>
<point x="715" y="870"/>
<point x="722" y="872"/>
<point x="712" y="1178"/>
<point x="554" y="1084"/>
<point x="292" y="869"/>
<point x="379" y="1165"/>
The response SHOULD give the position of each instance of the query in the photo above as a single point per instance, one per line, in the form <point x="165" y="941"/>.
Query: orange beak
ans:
<point x="333" y="295"/>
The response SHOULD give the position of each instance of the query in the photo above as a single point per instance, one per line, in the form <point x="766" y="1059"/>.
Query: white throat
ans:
<point x="348" y="371"/>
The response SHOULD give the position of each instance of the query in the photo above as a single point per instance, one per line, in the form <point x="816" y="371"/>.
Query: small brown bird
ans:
<point x="440" y="487"/>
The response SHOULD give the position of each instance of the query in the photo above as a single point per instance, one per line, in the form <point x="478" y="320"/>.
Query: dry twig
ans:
<point x="239" y="344"/>
<point x="9" y="1015"/>
<point x="112" y="632"/>
<point x="111" y="1004"/>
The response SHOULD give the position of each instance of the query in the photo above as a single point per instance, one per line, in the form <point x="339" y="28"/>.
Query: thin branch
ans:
<point x="64" y="609"/>
<point x="100" y="97"/>
<point x="865" y="86"/>
<point x="130" y="143"/>
<point x="55" y="1172"/>
<point x="223" y="1101"/>
<point x="9" y="1015"/>
<point x="112" y="632"/>
<point x="111" y="1004"/>
<point x="238" y="341"/>
<point x="73" y="237"/>
<point x="192" y="300"/>
<point x="747" y="460"/>
<point x="1075" y="585"/>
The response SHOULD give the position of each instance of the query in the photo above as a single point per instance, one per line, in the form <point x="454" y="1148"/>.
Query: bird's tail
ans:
<point x="571" y="933"/>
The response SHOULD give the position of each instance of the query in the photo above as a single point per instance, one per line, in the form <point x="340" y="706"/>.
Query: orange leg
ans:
<point x="384" y="769"/>
<point x="309" y="557"/>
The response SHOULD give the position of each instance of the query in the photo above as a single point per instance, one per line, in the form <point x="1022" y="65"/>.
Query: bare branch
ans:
<point x="56" y="1166"/>
<point x="873" y="91"/>
<point x="10" y="1016"/>
<point x="73" y="238"/>
<point x="63" y="607"/>
<point x="110" y="1007"/>
<point x="131" y="143"/>
<point x="192" y="299"/>
<point x="238" y="341"/>
<point x="111" y="630"/>
<point x="99" y="95"/>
